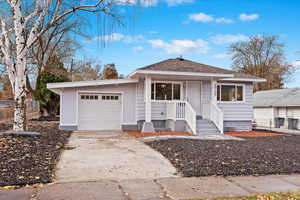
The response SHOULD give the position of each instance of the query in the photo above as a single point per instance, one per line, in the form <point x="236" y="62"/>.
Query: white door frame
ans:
<point x="98" y="92"/>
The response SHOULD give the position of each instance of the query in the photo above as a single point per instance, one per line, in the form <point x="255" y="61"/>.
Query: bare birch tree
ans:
<point x="20" y="31"/>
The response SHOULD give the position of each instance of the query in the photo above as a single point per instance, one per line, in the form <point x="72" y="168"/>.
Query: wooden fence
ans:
<point x="7" y="110"/>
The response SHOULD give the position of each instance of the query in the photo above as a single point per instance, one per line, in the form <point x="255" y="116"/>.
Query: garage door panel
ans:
<point x="103" y="113"/>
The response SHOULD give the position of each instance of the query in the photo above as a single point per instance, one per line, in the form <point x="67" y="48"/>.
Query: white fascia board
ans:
<point x="90" y="83"/>
<point x="154" y="72"/>
<point x="258" y="80"/>
<point x="56" y="91"/>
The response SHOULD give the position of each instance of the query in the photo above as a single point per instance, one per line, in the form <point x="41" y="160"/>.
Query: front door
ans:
<point x="194" y="95"/>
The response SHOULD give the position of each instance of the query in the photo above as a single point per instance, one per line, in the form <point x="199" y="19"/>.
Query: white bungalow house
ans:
<point x="280" y="103"/>
<point x="175" y="95"/>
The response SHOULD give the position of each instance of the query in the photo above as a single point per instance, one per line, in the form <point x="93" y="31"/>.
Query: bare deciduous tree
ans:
<point x="84" y="70"/>
<point x="19" y="31"/>
<point x="262" y="56"/>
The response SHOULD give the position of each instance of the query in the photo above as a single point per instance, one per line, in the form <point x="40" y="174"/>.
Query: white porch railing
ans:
<point x="217" y="116"/>
<point x="191" y="117"/>
<point x="182" y="110"/>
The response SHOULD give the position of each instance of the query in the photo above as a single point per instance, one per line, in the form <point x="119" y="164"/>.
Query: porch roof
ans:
<point x="56" y="87"/>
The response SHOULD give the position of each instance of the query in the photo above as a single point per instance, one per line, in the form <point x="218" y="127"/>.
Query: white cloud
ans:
<point x="228" y="38"/>
<point x="201" y="17"/>
<point x="224" y="20"/>
<point x="117" y="37"/>
<point x="221" y="55"/>
<point x="296" y="63"/>
<point x="176" y="2"/>
<point x="133" y="38"/>
<point x="152" y="32"/>
<point x="111" y="37"/>
<point x="205" y="18"/>
<point x="148" y="3"/>
<point x="145" y="3"/>
<point x="181" y="46"/>
<point x="138" y="49"/>
<point x="250" y="17"/>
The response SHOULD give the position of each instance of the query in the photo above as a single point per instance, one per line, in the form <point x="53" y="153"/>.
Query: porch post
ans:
<point x="212" y="96"/>
<point x="148" y="125"/>
<point x="213" y="91"/>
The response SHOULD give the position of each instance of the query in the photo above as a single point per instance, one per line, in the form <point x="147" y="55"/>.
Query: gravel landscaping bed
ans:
<point x="254" y="156"/>
<point x="29" y="160"/>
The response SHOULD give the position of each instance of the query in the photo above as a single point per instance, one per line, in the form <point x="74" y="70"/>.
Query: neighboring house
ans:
<point x="175" y="94"/>
<point x="280" y="103"/>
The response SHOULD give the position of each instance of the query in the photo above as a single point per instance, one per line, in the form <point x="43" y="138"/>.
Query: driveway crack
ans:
<point x="165" y="192"/>
<point x="125" y="194"/>
<point x="238" y="185"/>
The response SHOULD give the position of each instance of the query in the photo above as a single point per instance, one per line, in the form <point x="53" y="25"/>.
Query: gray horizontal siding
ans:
<point x="158" y="109"/>
<point x="239" y="111"/>
<point x="237" y="125"/>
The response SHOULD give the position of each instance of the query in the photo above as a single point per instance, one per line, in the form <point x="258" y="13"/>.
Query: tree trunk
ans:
<point x="20" y="93"/>
<point x="20" y="112"/>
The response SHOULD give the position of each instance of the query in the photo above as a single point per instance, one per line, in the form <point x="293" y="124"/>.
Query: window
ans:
<point x="106" y="97"/>
<point x="165" y="91"/>
<point x="89" y="97"/>
<point x="230" y="93"/>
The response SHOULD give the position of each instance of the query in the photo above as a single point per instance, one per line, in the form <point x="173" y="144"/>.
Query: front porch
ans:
<point x="181" y="104"/>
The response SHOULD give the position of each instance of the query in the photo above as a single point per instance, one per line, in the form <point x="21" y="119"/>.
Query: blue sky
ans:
<point x="198" y="30"/>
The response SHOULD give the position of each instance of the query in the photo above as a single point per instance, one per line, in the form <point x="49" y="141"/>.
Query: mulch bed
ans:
<point x="31" y="160"/>
<point x="254" y="134"/>
<point x="139" y="134"/>
<point x="254" y="156"/>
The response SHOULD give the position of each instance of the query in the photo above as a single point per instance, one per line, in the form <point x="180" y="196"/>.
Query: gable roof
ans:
<point x="277" y="98"/>
<point x="184" y="65"/>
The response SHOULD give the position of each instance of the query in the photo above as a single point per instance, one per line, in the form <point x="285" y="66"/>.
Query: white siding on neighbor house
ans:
<point x="240" y="111"/>
<point x="264" y="117"/>
<point x="289" y="112"/>
<point x="69" y="102"/>
<point x="282" y="112"/>
<point x="294" y="112"/>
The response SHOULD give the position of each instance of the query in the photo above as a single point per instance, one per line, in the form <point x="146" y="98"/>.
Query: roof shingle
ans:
<point x="183" y="65"/>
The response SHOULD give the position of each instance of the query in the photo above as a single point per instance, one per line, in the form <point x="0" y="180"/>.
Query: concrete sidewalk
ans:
<point x="159" y="189"/>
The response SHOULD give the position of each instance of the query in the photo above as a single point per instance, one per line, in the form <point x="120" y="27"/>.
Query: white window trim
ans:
<point x="233" y="84"/>
<point x="172" y="82"/>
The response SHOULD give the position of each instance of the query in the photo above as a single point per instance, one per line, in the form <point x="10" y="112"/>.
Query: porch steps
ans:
<point x="205" y="126"/>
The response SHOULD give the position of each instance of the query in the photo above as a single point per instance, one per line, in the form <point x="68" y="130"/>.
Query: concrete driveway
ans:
<point x="95" y="155"/>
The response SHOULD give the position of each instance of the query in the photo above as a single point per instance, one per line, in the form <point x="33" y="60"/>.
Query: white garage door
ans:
<point x="99" y="111"/>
